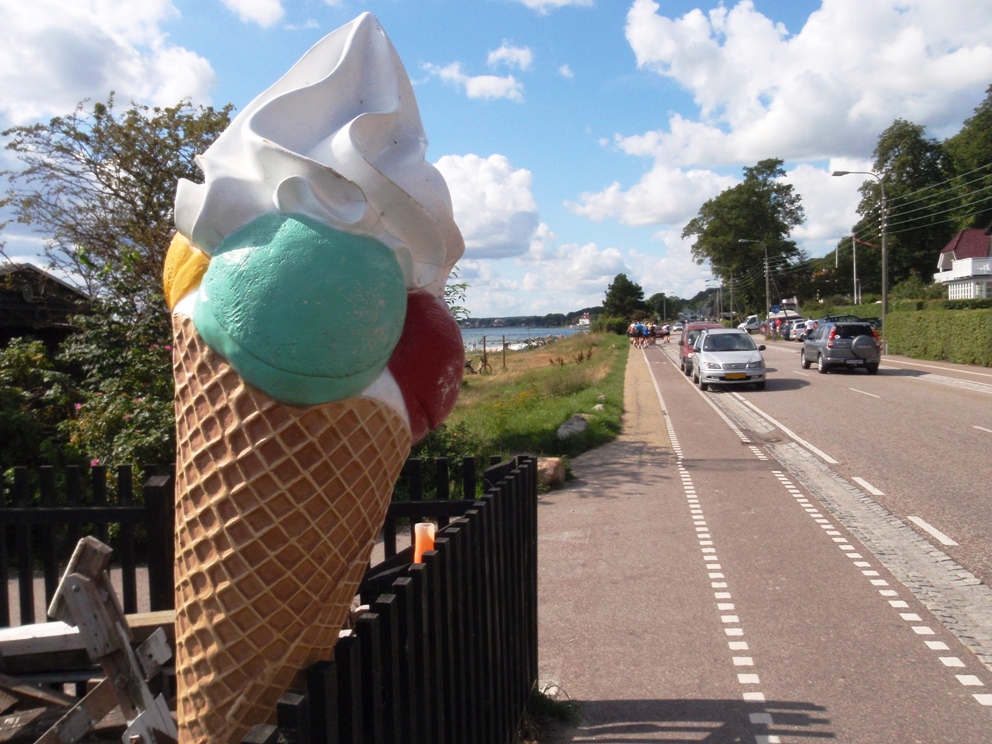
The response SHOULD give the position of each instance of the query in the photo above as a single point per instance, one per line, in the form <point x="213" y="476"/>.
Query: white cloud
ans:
<point x="546" y="6"/>
<point x="511" y="56"/>
<point x="566" y="72"/>
<point x="664" y="195"/>
<point x="54" y="54"/>
<point x="823" y="93"/>
<point x="493" y="204"/>
<point x="827" y="90"/>
<point x="674" y="272"/>
<point x="262" y="12"/>
<point x="479" y="86"/>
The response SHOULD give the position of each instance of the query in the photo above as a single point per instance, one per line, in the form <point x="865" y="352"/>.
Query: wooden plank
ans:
<point x="26" y="726"/>
<point x="129" y="584"/>
<point x="29" y="696"/>
<point x="83" y="717"/>
<point x="22" y="544"/>
<point x="46" y="485"/>
<point x="7" y="701"/>
<point x="98" y="484"/>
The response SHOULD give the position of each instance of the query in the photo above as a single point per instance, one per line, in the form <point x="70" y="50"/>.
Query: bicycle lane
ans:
<point x="827" y="643"/>
<point x="627" y="625"/>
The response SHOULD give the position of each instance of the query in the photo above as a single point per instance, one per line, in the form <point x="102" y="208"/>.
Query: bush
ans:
<point x="610" y="324"/>
<point x="961" y="336"/>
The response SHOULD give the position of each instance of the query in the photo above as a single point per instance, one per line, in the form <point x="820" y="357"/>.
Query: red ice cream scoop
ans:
<point x="428" y="362"/>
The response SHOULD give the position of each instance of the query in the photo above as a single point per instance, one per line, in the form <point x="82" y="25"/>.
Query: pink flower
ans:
<point x="127" y="416"/>
<point x="168" y="347"/>
<point x="94" y="463"/>
<point x="78" y="406"/>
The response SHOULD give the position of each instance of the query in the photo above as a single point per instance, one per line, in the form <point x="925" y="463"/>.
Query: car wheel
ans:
<point x="687" y="371"/>
<point x="702" y="385"/>
<point x="872" y="369"/>
<point x="803" y="361"/>
<point x="759" y="385"/>
<point x="682" y="365"/>
<point x="821" y="366"/>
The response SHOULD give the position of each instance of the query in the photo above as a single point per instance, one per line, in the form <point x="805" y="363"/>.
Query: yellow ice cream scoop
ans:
<point x="184" y="269"/>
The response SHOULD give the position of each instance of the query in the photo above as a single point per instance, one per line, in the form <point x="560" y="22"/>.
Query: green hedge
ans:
<point x="962" y="336"/>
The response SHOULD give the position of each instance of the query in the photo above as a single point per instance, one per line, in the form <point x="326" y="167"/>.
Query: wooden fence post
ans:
<point x="160" y="524"/>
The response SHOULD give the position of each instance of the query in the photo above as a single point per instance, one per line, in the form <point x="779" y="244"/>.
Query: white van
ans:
<point x="751" y="324"/>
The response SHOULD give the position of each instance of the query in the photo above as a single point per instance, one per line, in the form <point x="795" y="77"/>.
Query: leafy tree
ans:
<point x="915" y="170"/>
<point x="454" y="296"/>
<point x="970" y="151"/>
<point x="662" y="306"/>
<point x="624" y="298"/>
<point x="760" y="208"/>
<point x="99" y="186"/>
<point x="34" y="398"/>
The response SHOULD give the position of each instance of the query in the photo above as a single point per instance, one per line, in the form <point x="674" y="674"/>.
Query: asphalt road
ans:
<point x="919" y="433"/>
<point x="733" y="584"/>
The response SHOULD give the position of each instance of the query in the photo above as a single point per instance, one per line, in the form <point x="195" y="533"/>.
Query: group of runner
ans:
<point x="644" y="334"/>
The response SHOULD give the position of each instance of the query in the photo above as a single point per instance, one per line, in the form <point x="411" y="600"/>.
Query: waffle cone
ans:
<point x="277" y="510"/>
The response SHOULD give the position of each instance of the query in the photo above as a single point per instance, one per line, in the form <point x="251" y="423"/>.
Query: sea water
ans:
<point x="472" y="337"/>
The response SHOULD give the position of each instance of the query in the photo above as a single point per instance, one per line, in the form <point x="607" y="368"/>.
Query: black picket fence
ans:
<point x="447" y="649"/>
<point x="46" y="512"/>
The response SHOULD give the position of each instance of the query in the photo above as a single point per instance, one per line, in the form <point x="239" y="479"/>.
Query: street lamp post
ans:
<point x="885" y="242"/>
<point x="768" y="303"/>
<point x="727" y="268"/>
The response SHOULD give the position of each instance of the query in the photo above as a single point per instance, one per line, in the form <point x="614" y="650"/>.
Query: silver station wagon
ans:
<point x="727" y="356"/>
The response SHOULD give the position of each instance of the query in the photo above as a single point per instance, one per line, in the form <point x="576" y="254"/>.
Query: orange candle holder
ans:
<point x="423" y="539"/>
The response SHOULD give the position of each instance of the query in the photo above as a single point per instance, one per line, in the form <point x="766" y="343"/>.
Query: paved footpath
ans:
<point x="692" y="589"/>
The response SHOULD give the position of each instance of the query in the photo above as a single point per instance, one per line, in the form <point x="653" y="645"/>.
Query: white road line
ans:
<point x="979" y="387"/>
<point x="867" y="486"/>
<point x="870" y="395"/>
<point x="982" y="428"/>
<point x="941" y="537"/>
<point x="934" y="366"/>
<point x="799" y="440"/>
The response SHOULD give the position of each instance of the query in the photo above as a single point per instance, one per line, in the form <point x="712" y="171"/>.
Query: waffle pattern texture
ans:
<point x="277" y="510"/>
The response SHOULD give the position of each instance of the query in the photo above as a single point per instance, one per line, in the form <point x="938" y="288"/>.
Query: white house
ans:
<point x="584" y="320"/>
<point x="965" y="265"/>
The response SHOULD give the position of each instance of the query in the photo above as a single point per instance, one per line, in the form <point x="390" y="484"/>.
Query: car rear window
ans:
<point x="852" y="330"/>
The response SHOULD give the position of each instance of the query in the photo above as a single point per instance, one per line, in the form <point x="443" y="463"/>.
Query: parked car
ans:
<point x="842" y="345"/>
<point x="792" y="329"/>
<point x="751" y="323"/>
<point x="677" y="327"/>
<point x="727" y="356"/>
<point x="839" y="319"/>
<point x="687" y="341"/>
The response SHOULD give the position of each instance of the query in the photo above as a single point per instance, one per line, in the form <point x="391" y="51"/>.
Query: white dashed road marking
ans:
<point x="983" y="429"/>
<point x="870" y="395"/>
<point x="781" y="427"/>
<point x="867" y="486"/>
<point x="941" y="537"/>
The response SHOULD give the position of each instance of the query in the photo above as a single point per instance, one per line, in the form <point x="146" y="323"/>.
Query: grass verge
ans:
<point x="518" y="409"/>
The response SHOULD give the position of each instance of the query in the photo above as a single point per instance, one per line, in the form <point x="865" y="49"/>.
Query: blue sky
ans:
<point x="577" y="136"/>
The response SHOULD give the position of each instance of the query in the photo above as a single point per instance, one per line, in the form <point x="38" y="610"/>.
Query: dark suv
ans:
<point x="842" y="345"/>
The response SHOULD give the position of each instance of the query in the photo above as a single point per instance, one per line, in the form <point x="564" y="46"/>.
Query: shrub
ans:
<point x="610" y="324"/>
<point x="962" y="336"/>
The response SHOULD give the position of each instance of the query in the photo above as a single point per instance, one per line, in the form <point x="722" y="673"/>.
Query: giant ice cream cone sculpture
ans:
<point x="311" y="350"/>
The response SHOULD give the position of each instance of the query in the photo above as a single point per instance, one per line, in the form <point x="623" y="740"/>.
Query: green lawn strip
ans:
<point x="519" y="410"/>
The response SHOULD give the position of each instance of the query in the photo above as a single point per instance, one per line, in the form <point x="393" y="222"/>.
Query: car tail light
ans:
<point x="830" y="339"/>
<point x="878" y="341"/>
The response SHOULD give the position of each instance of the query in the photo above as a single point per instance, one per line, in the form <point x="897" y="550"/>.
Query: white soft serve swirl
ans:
<point x="337" y="138"/>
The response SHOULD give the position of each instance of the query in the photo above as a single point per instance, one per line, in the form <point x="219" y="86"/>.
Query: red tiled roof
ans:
<point x="969" y="244"/>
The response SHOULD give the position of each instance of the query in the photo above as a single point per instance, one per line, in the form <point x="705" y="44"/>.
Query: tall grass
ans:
<point x="519" y="409"/>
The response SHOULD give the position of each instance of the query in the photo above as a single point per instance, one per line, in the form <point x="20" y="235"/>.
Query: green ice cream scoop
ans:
<point x="306" y="313"/>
